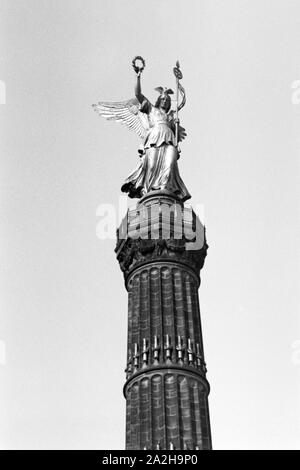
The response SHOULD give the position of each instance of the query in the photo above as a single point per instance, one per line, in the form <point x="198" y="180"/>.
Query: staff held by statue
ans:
<point x="179" y="88"/>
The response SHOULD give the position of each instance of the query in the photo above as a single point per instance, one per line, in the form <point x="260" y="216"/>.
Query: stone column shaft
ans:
<point x="166" y="389"/>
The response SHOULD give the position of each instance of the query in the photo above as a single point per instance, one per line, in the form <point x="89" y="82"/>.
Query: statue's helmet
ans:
<point x="164" y="93"/>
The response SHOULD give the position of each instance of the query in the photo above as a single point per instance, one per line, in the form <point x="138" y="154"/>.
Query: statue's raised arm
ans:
<point x="158" y="126"/>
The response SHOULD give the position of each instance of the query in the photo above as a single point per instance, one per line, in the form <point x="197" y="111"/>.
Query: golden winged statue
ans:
<point x="158" y="127"/>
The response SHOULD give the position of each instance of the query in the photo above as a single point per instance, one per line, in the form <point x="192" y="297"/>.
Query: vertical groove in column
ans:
<point x="191" y="384"/>
<point x="161" y="311"/>
<point x="136" y="311"/>
<point x="180" y="422"/>
<point x="150" y="334"/>
<point x="198" y="432"/>
<point x="185" y="313"/>
<point x="189" y="307"/>
<point x="145" y="409"/>
<point x="204" y="420"/>
<point x="185" y="411"/>
<point x="171" y="411"/>
<point x="158" y="422"/>
<point x="200" y="326"/>
<point x="128" y="419"/>
<point x="167" y="306"/>
<point x="129" y="332"/>
<point x="196" y="313"/>
<point x="144" y="311"/>
<point x="178" y="304"/>
<point x="135" y="425"/>
<point x="155" y="309"/>
<point x="208" y="423"/>
<point x="164" y="440"/>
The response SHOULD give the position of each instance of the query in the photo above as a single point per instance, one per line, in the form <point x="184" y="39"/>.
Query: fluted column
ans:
<point x="166" y="388"/>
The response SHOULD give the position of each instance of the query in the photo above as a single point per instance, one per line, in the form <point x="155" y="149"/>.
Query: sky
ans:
<point x="63" y="304"/>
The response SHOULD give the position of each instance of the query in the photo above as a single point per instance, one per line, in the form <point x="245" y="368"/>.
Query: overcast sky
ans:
<point x="63" y="322"/>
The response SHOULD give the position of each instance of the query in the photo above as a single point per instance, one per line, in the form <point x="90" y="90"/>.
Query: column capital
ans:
<point x="161" y="228"/>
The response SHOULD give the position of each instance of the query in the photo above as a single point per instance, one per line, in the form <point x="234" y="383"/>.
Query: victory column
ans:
<point x="161" y="248"/>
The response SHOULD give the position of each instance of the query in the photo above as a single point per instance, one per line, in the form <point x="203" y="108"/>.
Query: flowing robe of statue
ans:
<point x="158" y="169"/>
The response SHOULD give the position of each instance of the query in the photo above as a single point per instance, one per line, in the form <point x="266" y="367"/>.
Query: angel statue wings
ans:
<point x="158" y="127"/>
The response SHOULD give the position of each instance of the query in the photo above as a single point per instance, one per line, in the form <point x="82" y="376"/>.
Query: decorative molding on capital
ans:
<point x="135" y="253"/>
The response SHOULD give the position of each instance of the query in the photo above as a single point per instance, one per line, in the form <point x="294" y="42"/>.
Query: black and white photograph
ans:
<point x="149" y="227"/>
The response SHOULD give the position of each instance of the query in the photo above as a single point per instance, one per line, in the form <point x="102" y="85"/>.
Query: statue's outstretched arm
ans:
<point x="138" y="90"/>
